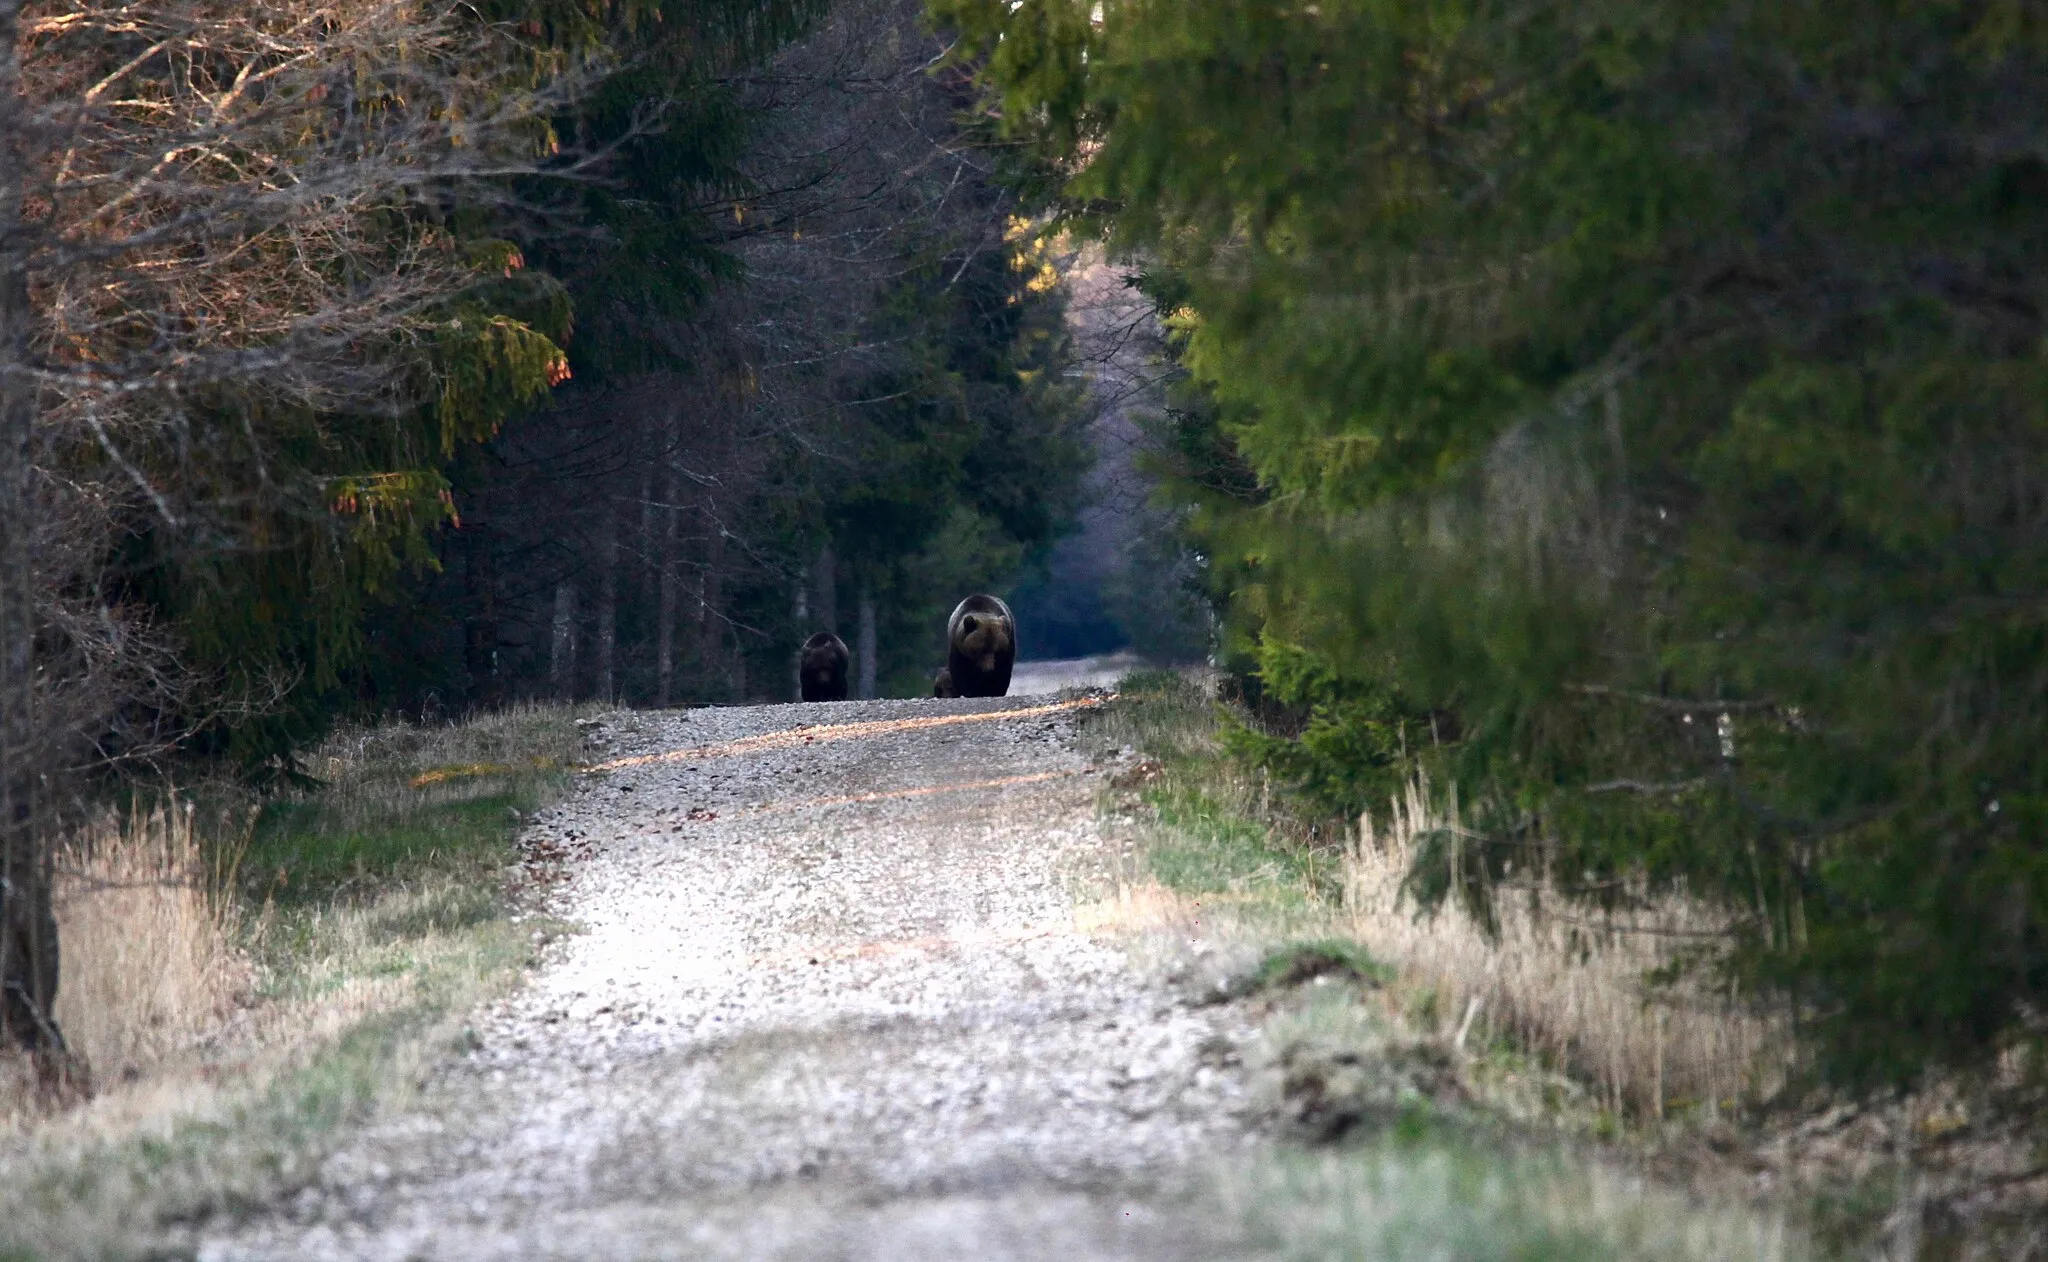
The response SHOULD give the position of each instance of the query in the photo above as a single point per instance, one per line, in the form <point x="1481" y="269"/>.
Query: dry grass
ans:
<point x="240" y="1014"/>
<point x="1567" y="985"/>
<point x="151" y="964"/>
<point x="1953" y="1170"/>
<point x="1560" y="982"/>
<point x="1389" y="1201"/>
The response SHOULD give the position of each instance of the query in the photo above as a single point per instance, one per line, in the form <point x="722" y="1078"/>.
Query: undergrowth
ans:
<point x="364" y="913"/>
<point x="1217" y="834"/>
<point x="1594" y="1024"/>
<point x="1533" y="1041"/>
<point x="1571" y="988"/>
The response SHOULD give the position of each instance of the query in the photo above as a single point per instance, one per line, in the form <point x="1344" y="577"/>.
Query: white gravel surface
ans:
<point x="851" y="1016"/>
<point x="1028" y="678"/>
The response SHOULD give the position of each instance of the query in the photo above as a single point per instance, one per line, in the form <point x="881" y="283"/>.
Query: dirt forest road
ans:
<point x="831" y="998"/>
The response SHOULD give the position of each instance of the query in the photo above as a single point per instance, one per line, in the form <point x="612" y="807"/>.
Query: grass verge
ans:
<point x="1388" y="1201"/>
<point x="1570" y="991"/>
<point x="1590" y="1025"/>
<point x="1210" y="833"/>
<point x="349" y="927"/>
<point x="1460" y="1071"/>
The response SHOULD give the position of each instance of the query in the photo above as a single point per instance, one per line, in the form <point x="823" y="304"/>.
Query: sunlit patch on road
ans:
<point x="700" y="815"/>
<point x="849" y="799"/>
<point x="818" y="734"/>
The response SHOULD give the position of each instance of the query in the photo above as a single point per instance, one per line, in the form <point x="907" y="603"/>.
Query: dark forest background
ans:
<point x="823" y="380"/>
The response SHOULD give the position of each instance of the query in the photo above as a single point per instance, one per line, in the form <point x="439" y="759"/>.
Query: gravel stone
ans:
<point x="798" y="1024"/>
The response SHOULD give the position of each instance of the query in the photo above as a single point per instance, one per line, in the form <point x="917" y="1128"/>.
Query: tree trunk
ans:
<point x="28" y="931"/>
<point x="665" y="617"/>
<point x="647" y="574"/>
<point x="800" y="614"/>
<point x="710" y="612"/>
<point x="480" y="632"/>
<point x="562" y="651"/>
<point x="867" y="643"/>
<point x="826" y="573"/>
<point x="607" y="602"/>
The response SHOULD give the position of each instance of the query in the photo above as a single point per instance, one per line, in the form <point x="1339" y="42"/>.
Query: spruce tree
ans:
<point x="1652" y="389"/>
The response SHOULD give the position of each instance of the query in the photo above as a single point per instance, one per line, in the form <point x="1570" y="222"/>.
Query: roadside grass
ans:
<point x="329" y="941"/>
<point x="1212" y="831"/>
<point x="1573" y="989"/>
<point x="1379" y="1023"/>
<point x="1568" y="991"/>
<point x="149" y="936"/>
<point x="417" y="803"/>
<point x="1392" y="1199"/>
<point x="128" y="1175"/>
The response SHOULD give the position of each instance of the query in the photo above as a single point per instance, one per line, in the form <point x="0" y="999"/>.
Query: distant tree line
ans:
<point x="1632" y="413"/>
<point x="851" y="410"/>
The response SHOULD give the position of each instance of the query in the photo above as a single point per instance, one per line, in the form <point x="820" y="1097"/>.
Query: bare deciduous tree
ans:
<point x="215" y="214"/>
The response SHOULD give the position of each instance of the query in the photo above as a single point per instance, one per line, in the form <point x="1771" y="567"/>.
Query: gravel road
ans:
<point x="830" y="999"/>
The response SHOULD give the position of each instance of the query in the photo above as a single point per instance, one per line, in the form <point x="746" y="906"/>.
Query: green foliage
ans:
<point x="1339" y="736"/>
<point x="965" y="451"/>
<point x="328" y="511"/>
<point x="1657" y="389"/>
<point x="644" y="254"/>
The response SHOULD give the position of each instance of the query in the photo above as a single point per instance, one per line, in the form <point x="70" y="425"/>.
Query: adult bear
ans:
<point x="821" y="672"/>
<point x="981" y="647"/>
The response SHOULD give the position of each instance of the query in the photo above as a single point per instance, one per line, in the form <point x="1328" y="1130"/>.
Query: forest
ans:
<point x="415" y="360"/>
<point x="1629" y="414"/>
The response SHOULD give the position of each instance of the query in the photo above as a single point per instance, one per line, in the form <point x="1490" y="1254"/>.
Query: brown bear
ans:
<point x="942" y="684"/>
<point x="821" y="673"/>
<point x="981" y="647"/>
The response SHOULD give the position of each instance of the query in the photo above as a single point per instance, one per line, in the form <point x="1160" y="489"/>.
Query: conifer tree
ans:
<point x="818" y="367"/>
<point x="1652" y="392"/>
<point x="241" y="327"/>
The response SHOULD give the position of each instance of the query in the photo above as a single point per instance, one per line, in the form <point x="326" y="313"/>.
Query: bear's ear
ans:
<point x="968" y="624"/>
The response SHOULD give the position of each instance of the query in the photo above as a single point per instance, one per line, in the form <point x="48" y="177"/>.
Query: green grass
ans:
<point x="1475" y="1182"/>
<point x="373" y="903"/>
<point x="1210" y="837"/>
<point x="310" y="850"/>
<point x="1208" y="848"/>
<point x="399" y="804"/>
<point x="1163" y="713"/>
<point x="1394" y="1200"/>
